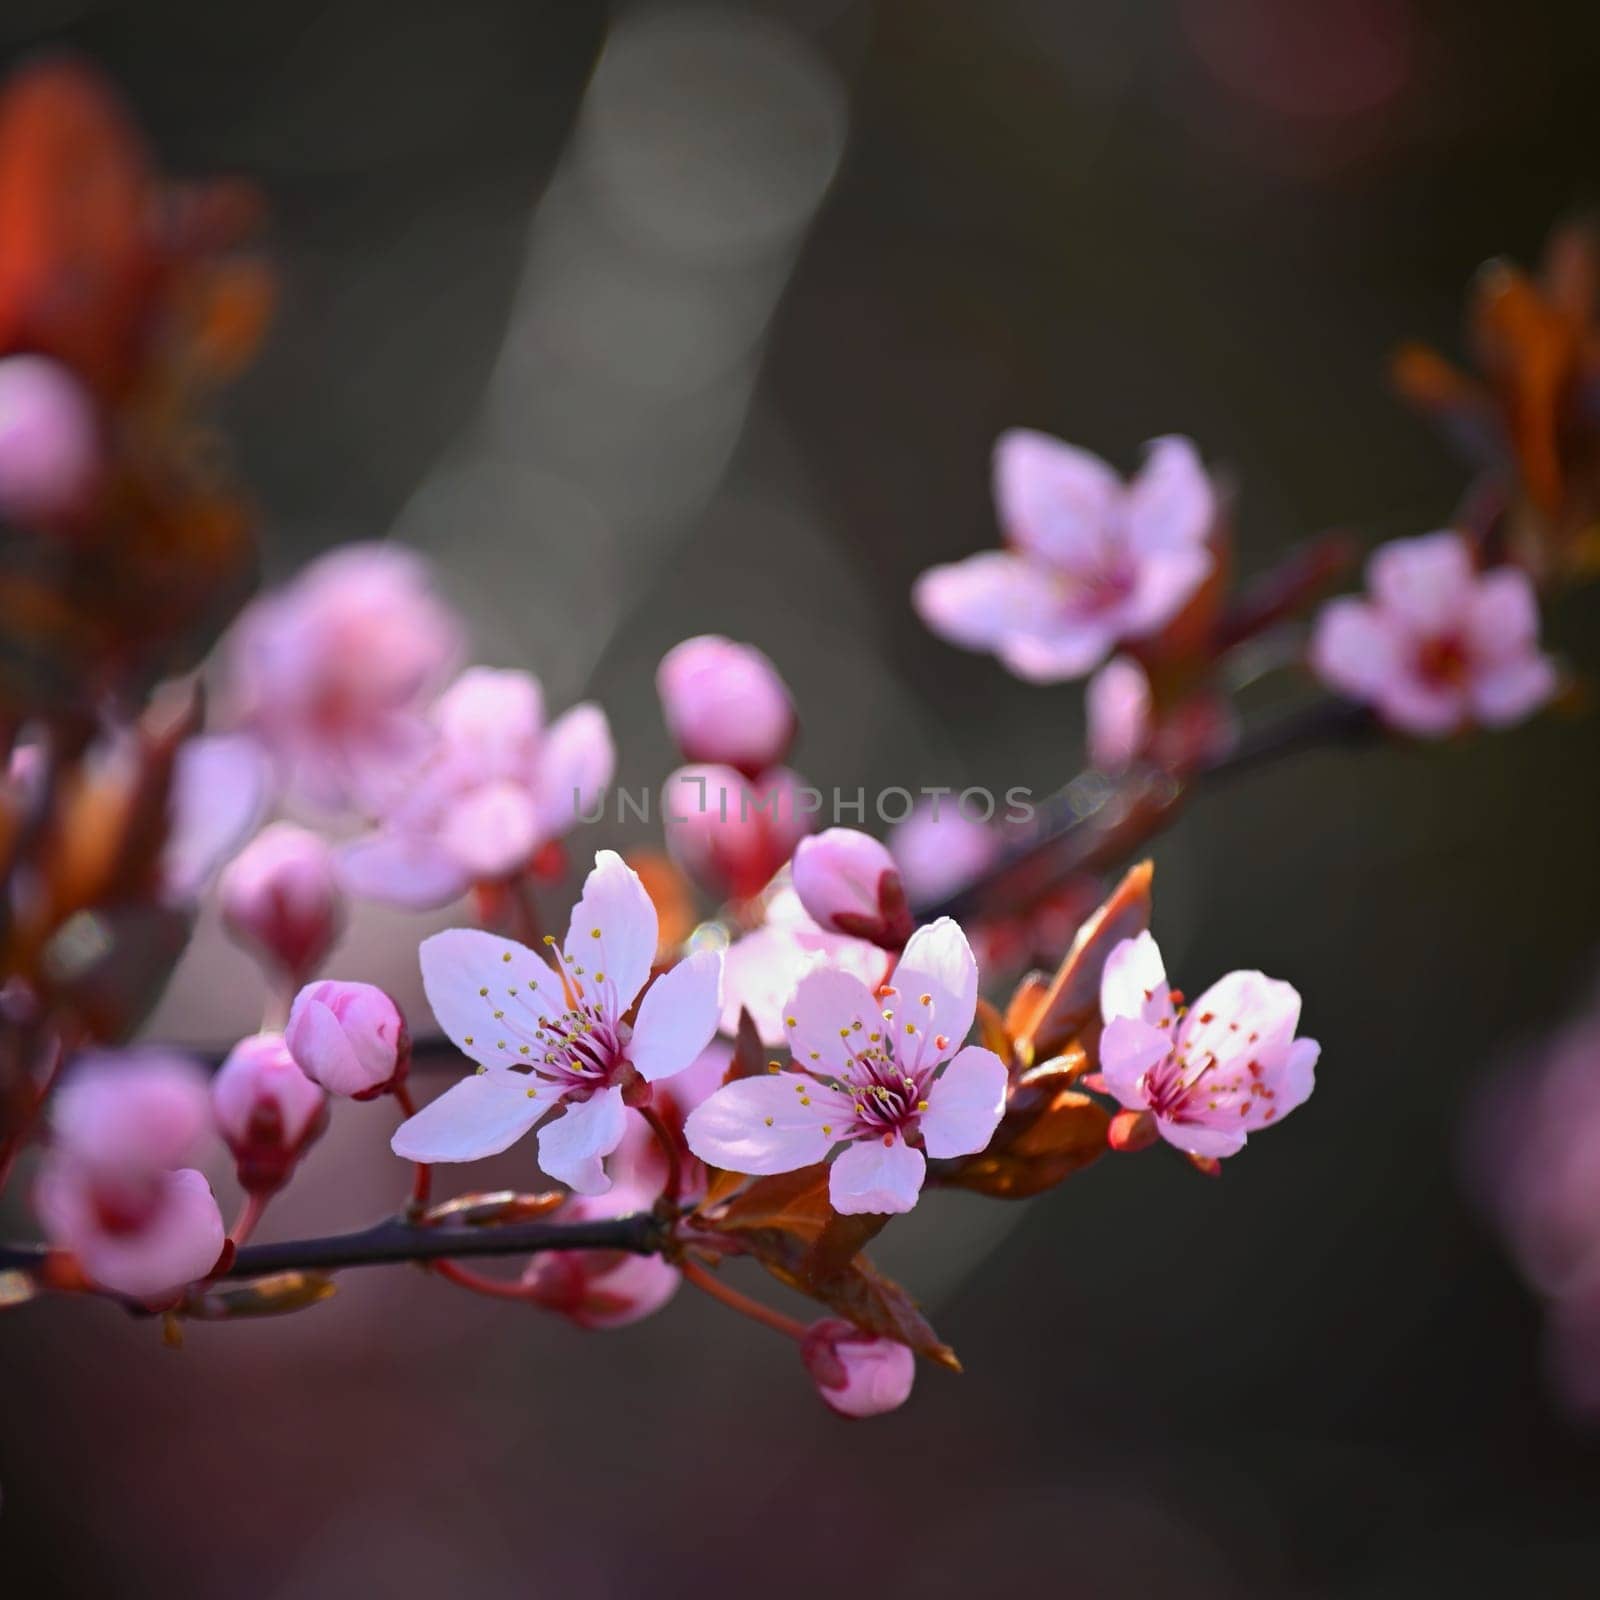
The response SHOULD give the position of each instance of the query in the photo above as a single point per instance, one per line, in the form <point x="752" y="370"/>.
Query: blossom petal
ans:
<point x="491" y="720"/>
<point x="678" y="1016"/>
<point x="1296" y="1078"/>
<point x="877" y="1176"/>
<point x="1171" y="504"/>
<point x="1355" y="648"/>
<point x="965" y="1104"/>
<point x="979" y="602"/>
<point x="492" y="830"/>
<point x="829" y="1019"/>
<point x="576" y="764"/>
<point x="614" y="930"/>
<point x="572" y="1147"/>
<point x="1428" y="710"/>
<point x="1200" y="1139"/>
<point x="1134" y="982"/>
<point x="402" y="870"/>
<point x="1503" y="619"/>
<point x="1162" y="588"/>
<point x="1129" y="1048"/>
<point x="180" y="1242"/>
<point x="1427" y="583"/>
<point x="1117" y="703"/>
<point x="1067" y="648"/>
<point x="767" y="1124"/>
<point x="219" y="792"/>
<point x="469" y="975"/>
<point x="1243" y="1015"/>
<point x="938" y="966"/>
<point x="1054" y="500"/>
<point x="483" y="1114"/>
<point x="1506" y="694"/>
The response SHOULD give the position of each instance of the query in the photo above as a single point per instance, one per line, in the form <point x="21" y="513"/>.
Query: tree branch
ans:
<point x="397" y="1240"/>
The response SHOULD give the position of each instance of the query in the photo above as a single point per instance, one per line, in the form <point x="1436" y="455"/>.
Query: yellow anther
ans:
<point x="827" y="1127"/>
<point x="505" y="955"/>
<point x="498" y="1015"/>
<point x="772" y="1066"/>
<point x="768" y="1121"/>
<point x="922" y="1105"/>
<point x="599" y="977"/>
<point x="927" y="999"/>
<point x="549" y="938"/>
<point x="791" y="1021"/>
<point x="483" y="993"/>
<point x="594" y="933"/>
<point x="467" y="1039"/>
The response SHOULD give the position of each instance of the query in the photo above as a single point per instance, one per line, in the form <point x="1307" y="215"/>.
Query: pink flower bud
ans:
<point x="849" y="884"/>
<point x="855" y="1373"/>
<point x="1118" y="705"/>
<point x="267" y="1109"/>
<point x="146" y="1239"/>
<point x="130" y="1112"/>
<point x="48" y="445"/>
<point x="281" y="898"/>
<point x="349" y="1037"/>
<point x="602" y="1288"/>
<point x="729" y="834"/>
<point x="725" y="703"/>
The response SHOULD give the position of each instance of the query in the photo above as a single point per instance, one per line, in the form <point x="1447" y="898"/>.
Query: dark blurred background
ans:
<point x="654" y="319"/>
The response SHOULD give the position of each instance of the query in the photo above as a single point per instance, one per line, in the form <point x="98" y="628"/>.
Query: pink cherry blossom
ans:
<point x="333" y="671"/>
<point x="849" y="884"/>
<point x="1437" y="645"/>
<point x="1092" y="561"/>
<point x="548" y="1035"/>
<point x="108" y="1192"/>
<point x="493" y="788"/>
<point x="639" y="1162"/>
<point x="938" y="849"/>
<point x="280" y="897"/>
<point x="730" y="835"/>
<point x="49" y="440"/>
<point x="762" y="970"/>
<point x="600" y="1289"/>
<point x="348" y="1037"/>
<point x="856" y="1373"/>
<point x="725" y="704"/>
<point x="1209" y="1074"/>
<point x="266" y="1109"/>
<point x="867" y="1076"/>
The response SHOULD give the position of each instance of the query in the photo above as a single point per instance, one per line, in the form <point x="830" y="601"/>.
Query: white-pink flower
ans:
<point x="1437" y="645"/>
<point x="867" y="1077"/>
<point x="112" y="1189"/>
<point x="1211" y="1073"/>
<point x="1092" y="560"/>
<point x="494" y="786"/>
<point x="333" y="671"/>
<point x="551" y="1034"/>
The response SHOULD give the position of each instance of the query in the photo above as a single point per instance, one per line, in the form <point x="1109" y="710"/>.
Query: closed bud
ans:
<point x="849" y="884"/>
<point x="725" y="703"/>
<point x="281" y="899"/>
<point x="49" y="452"/>
<point x="348" y="1037"/>
<point x="857" y="1374"/>
<point x="267" y="1110"/>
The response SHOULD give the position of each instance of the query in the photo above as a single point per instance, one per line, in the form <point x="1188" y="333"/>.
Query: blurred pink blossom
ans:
<point x="1209" y="1074"/>
<point x="107" y="1190"/>
<point x="493" y="788"/>
<point x="869" y="1078"/>
<point x="49" y="440"/>
<point x="1092" y="561"/>
<point x="763" y="969"/>
<point x="858" y="1374"/>
<point x="1438" y="645"/>
<point x="280" y="898"/>
<point x="939" y="850"/>
<point x="333" y="671"/>
<point x="725" y="704"/>
<point x="546" y="1037"/>
<point x="728" y="834"/>
<point x="266" y="1109"/>
<point x="850" y="884"/>
<point x="348" y="1037"/>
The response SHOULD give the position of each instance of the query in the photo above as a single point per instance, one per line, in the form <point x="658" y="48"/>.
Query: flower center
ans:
<point x="1443" y="661"/>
